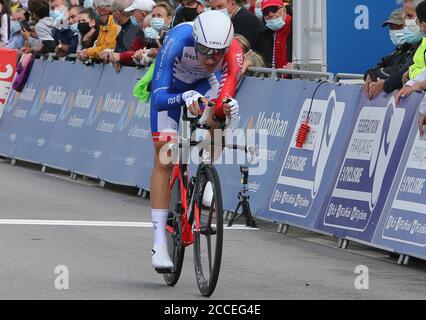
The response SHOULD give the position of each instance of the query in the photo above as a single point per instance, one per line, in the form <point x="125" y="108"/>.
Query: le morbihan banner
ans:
<point x="68" y="133"/>
<point x="17" y="111"/>
<point x="304" y="179"/>
<point x="402" y="226"/>
<point x="7" y="74"/>
<point x="52" y="96"/>
<point x="368" y="170"/>
<point x="264" y="122"/>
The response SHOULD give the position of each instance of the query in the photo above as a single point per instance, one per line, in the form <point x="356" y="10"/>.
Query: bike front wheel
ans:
<point x="208" y="229"/>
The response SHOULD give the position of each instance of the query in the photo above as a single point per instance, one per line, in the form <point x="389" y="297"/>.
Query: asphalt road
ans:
<point x="113" y="262"/>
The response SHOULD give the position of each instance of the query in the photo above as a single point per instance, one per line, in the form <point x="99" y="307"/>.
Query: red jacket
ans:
<point x="126" y="56"/>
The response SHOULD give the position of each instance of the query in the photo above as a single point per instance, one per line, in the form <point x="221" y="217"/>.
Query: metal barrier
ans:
<point x="348" y="76"/>
<point x="328" y="75"/>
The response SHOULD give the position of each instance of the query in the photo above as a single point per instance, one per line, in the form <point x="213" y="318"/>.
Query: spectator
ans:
<point x="188" y="11"/>
<point x="128" y="29"/>
<point x="67" y="39"/>
<point x="162" y="15"/>
<point x="16" y="41"/>
<point x="244" y="22"/>
<point x="5" y="22"/>
<point x="388" y="73"/>
<point x="139" y="9"/>
<point x="44" y="43"/>
<point x="108" y="31"/>
<point x="251" y="58"/>
<point x="419" y="64"/>
<point x="59" y="13"/>
<point x="88" y="27"/>
<point x="127" y="33"/>
<point x="258" y="10"/>
<point x="275" y="43"/>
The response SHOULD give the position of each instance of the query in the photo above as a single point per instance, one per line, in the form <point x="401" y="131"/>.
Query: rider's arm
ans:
<point x="161" y="98"/>
<point x="232" y="65"/>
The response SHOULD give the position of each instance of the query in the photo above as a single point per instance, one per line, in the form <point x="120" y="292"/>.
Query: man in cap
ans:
<point x="140" y="9"/>
<point x="387" y="75"/>
<point x="276" y="41"/>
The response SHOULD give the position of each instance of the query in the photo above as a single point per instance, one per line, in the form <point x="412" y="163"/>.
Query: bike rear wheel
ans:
<point x="174" y="234"/>
<point x="208" y="231"/>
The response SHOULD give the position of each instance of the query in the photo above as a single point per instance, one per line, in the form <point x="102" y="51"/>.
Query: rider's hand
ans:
<point x="231" y="108"/>
<point x="191" y="100"/>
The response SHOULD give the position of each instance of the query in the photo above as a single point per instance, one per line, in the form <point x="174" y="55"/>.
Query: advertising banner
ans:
<point x="16" y="112"/>
<point x="402" y="226"/>
<point x="369" y="167"/>
<point x="7" y="74"/>
<point x="305" y="178"/>
<point x="68" y="132"/>
<point x="52" y="95"/>
<point x="267" y="109"/>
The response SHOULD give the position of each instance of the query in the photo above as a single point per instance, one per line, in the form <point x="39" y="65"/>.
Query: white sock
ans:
<point x="159" y="221"/>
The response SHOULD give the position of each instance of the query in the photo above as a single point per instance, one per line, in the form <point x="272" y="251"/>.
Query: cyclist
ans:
<point x="198" y="60"/>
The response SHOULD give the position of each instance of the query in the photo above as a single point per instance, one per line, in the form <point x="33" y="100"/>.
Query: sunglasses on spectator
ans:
<point x="268" y="10"/>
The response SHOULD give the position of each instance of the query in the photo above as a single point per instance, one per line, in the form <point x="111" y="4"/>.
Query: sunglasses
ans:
<point x="269" y="10"/>
<point x="209" y="52"/>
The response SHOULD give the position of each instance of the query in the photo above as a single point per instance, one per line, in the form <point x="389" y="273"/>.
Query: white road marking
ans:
<point x="82" y="223"/>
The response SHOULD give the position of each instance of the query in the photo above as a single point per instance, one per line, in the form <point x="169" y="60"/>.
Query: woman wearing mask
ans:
<point x="16" y="40"/>
<point x="153" y="26"/>
<point x="88" y="28"/>
<point x="5" y="22"/>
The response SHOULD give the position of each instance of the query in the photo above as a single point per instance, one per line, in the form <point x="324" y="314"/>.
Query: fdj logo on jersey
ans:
<point x="366" y="163"/>
<point x="303" y="169"/>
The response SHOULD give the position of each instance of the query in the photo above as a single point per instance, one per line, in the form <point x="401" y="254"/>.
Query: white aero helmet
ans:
<point x="213" y="30"/>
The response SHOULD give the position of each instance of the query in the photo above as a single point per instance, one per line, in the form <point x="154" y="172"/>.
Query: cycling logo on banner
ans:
<point x="302" y="171"/>
<point x="366" y="163"/>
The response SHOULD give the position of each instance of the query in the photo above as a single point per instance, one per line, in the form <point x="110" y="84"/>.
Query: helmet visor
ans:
<point x="209" y="52"/>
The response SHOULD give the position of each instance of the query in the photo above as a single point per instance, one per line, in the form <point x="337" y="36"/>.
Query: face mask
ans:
<point x="275" y="24"/>
<point x="150" y="33"/>
<point x="74" y="27"/>
<point x="158" y="24"/>
<point x="412" y="25"/>
<point x="15" y="27"/>
<point x="246" y="6"/>
<point x="189" y="14"/>
<point x="88" y="4"/>
<point x="134" y="21"/>
<point x="411" y="37"/>
<point x="396" y="37"/>
<point x="258" y="12"/>
<point x="224" y="11"/>
<point x="57" y="15"/>
<point x="83" y="27"/>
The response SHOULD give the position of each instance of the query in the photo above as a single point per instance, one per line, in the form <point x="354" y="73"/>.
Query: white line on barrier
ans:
<point x="305" y="184"/>
<point x="352" y="194"/>
<point x="409" y="206"/>
<point x="81" y="223"/>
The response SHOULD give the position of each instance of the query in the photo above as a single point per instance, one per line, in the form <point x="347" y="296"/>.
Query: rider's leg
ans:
<point x="160" y="191"/>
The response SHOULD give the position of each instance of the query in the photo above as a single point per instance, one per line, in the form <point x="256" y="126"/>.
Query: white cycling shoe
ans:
<point x="208" y="195"/>
<point x="161" y="259"/>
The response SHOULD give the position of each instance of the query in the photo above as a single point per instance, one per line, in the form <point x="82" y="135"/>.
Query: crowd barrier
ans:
<point x="359" y="176"/>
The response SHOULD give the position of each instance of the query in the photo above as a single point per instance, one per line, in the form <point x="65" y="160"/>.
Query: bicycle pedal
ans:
<point x="208" y="230"/>
<point x="164" y="270"/>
